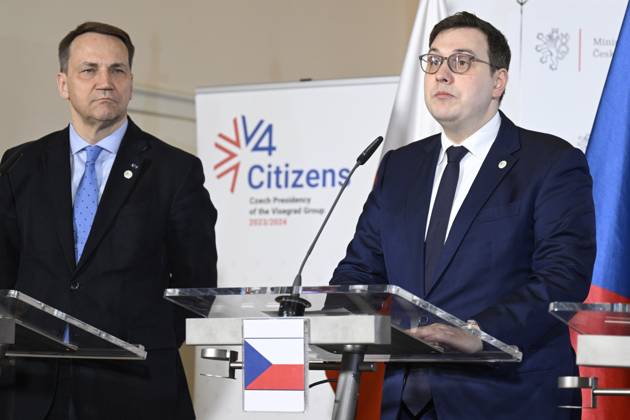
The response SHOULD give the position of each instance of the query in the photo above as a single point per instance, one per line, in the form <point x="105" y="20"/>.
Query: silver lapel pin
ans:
<point x="128" y="174"/>
<point x="502" y="164"/>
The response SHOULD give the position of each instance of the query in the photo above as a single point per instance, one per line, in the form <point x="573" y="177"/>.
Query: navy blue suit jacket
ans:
<point x="523" y="237"/>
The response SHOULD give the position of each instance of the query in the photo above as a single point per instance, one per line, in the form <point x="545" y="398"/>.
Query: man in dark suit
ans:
<point x="97" y="220"/>
<point x="489" y="222"/>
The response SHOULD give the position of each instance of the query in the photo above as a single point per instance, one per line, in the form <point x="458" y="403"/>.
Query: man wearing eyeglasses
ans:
<point x="488" y="221"/>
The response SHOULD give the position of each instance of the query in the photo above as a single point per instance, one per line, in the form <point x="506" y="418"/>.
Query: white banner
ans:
<point x="275" y="156"/>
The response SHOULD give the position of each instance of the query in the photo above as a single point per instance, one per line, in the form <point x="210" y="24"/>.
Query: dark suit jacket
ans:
<point x="152" y="231"/>
<point x="523" y="237"/>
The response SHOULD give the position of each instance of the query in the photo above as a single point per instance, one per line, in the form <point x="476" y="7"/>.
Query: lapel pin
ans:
<point x="502" y="164"/>
<point x="128" y="174"/>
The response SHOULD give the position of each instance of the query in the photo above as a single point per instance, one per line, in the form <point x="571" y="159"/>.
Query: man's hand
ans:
<point x="453" y="337"/>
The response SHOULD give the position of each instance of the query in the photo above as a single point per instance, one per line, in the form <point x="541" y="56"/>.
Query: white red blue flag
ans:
<point x="608" y="155"/>
<point x="274" y="374"/>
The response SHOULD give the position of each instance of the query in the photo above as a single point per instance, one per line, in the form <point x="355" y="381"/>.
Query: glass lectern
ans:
<point x="348" y="324"/>
<point x="30" y="328"/>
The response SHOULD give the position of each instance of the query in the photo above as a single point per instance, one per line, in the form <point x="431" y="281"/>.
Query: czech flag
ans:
<point x="274" y="374"/>
<point x="608" y="155"/>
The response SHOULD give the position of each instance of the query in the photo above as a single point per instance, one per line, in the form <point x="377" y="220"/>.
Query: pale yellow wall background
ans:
<point x="182" y="45"/>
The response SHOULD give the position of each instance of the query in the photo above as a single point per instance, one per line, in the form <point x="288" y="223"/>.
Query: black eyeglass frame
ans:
<point x="449" y="64"/>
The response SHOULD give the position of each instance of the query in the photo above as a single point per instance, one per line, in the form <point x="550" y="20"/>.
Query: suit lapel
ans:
<point x="126" y="171"/>
<point x="417" y="208"/>
<point x="57" y="169"/>
<point x="490" y="175"/>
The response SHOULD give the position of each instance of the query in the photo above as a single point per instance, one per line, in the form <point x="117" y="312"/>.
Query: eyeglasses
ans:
<point x="458" y="62"/>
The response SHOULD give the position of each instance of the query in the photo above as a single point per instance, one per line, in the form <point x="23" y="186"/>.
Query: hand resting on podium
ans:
<point x="456" y="338"/>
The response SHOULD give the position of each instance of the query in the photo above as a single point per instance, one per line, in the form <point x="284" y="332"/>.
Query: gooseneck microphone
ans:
<point x="294" y="305"/>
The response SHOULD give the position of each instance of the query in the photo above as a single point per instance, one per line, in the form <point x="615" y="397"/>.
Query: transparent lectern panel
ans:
<point x="405" y="310"/>
<point x="39" y="331"/>
<point x="594" y="318"/>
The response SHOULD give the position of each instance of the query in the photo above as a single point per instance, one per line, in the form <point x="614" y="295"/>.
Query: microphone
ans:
<point x="368" y="152"/>
<point x="294" y="305"/>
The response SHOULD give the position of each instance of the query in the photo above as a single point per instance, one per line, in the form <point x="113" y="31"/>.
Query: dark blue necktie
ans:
<point x="86" y="201"/>
<point x="436" y="235"/>
<point x="417" y="388"/>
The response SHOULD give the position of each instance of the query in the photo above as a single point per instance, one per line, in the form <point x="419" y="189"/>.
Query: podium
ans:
<point x="348" y="324"/>
<point x="30" y="328"/>
<point x="603" y="340"/>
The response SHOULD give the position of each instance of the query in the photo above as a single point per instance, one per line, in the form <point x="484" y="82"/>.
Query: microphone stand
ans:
<point x="293" y="304"/>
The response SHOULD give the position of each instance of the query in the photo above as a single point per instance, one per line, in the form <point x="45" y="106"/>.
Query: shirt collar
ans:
<point x="110" y="143"/>
<point x="479" y="143"/>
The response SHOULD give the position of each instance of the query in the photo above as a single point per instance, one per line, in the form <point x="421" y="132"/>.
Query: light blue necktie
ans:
<point x="86" y="201"/>
<point x="85" y="205"/>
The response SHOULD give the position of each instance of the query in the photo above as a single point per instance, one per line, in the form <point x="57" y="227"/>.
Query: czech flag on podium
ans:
<point x="274" y="374"/>
<point x="608" y="155"/>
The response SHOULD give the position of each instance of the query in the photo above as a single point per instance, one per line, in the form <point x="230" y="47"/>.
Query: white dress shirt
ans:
<point x="478" y="145"/>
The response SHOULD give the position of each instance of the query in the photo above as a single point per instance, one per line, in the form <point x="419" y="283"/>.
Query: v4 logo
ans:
<point x="257" y="140"/>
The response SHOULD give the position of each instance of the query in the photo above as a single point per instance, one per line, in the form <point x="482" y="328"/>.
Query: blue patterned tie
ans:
<point x="86" y="201"/>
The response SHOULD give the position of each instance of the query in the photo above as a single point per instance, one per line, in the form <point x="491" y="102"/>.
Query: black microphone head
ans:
<point x="369" y="151"/>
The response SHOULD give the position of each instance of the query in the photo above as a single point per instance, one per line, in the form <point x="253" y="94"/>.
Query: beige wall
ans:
<point x="186" y="44"/>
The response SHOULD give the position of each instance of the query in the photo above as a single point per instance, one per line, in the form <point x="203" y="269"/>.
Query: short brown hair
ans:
<point x="96" y="27"/>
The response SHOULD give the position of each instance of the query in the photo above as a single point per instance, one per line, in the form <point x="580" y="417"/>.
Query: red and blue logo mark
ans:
<point x="268" y="174"/>
<point x="231" y="147"/>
